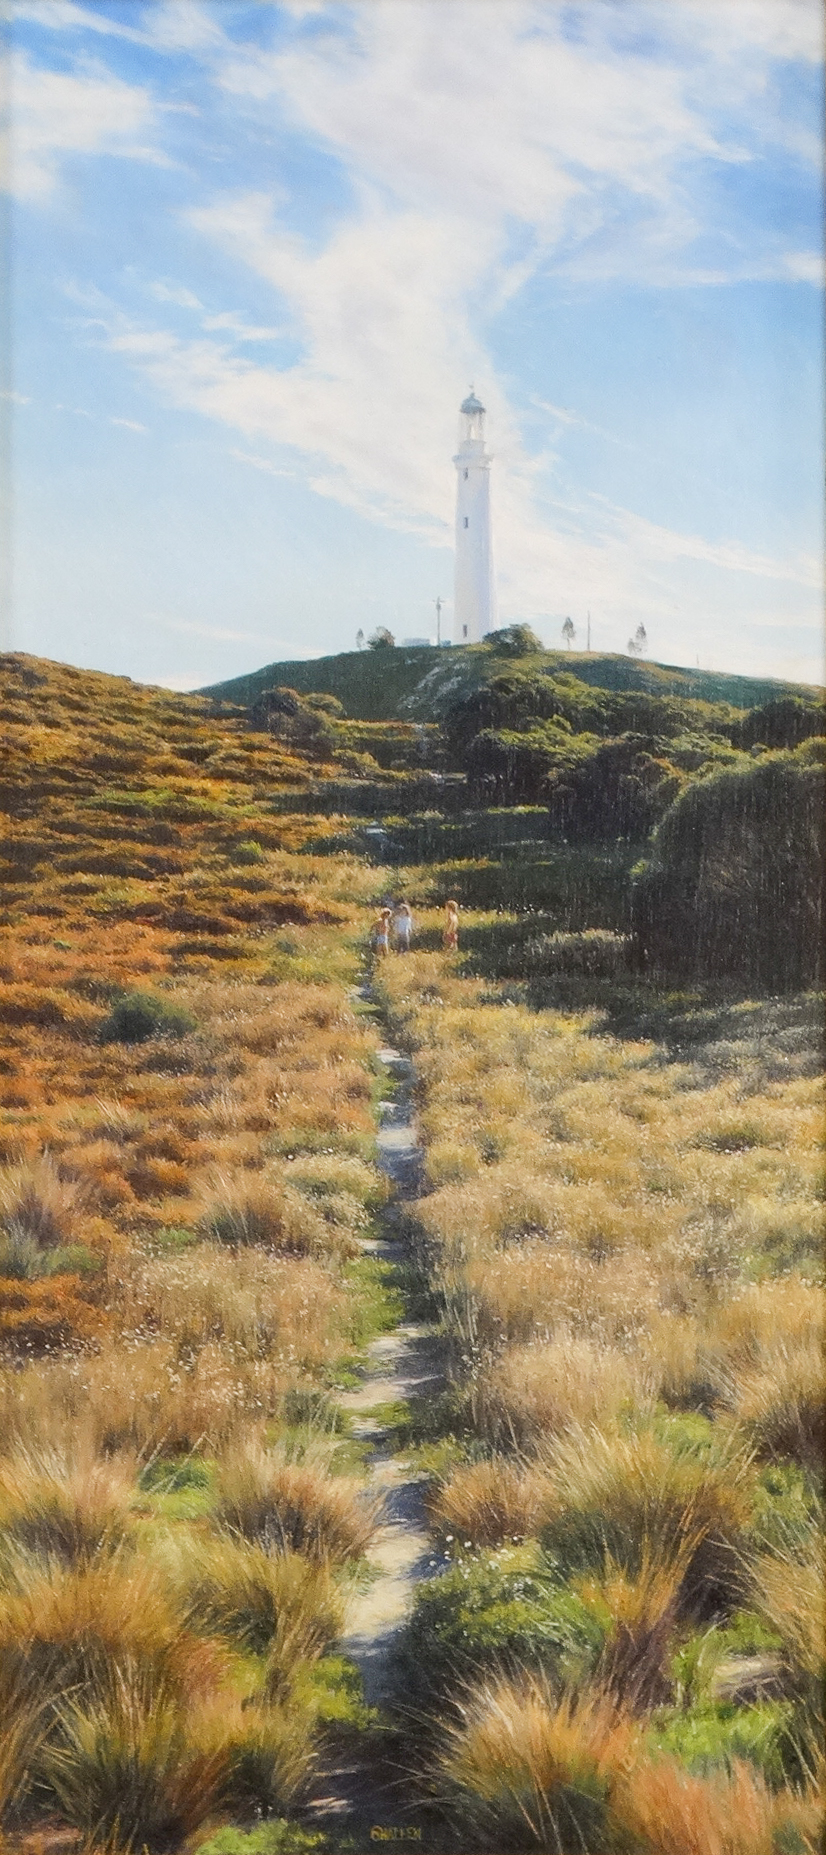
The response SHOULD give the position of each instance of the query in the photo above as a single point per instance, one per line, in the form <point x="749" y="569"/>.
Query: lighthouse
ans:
<point x="474" y="606"/>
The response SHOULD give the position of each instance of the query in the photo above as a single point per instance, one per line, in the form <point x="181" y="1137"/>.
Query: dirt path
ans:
<point x="400" y="1365"/>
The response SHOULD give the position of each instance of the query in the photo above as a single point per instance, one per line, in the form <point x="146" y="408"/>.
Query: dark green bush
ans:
<point x="514" y="641"/>
<point x="735" y="883"/>
<point x="138" y="1016"/>
<point x="619" y="789"/>
<point x="783" y="723"/>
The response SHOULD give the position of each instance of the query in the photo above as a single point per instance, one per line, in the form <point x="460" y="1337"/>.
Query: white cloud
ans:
<point x="232" y="324"/>
<point x="805" y="266"/>
<point x="130" y="425"/>
<point x="57" y="113"/>
<point x="177" y="294"/>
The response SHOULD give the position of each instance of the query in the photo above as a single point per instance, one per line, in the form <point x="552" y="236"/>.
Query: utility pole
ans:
<point x="588" y="645"/>
<point x="439" y="620"/>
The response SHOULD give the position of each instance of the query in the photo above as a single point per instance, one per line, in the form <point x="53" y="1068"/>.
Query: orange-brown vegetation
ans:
<point x="185" y="1168"/>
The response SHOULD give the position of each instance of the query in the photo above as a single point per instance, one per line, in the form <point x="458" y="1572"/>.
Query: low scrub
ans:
<point x="507" y="1609"/>
<point x="139" y="1016"/>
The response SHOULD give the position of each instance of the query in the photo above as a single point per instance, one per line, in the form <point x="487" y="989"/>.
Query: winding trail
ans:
<point x="402" y="1364"/>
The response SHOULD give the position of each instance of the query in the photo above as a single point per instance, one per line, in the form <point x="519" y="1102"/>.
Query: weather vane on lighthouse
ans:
<point x="474" y="605"/>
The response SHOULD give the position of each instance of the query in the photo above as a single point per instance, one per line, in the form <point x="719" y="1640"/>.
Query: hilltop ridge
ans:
<point x="418" y="682"/>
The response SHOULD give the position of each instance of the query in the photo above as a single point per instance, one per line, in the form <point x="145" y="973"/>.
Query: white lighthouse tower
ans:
<point x="474" y="606"/>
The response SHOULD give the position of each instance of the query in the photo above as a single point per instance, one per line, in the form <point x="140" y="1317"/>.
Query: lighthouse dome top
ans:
<point x="471" y="405"/>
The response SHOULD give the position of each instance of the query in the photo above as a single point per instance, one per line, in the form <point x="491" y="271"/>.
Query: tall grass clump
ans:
<point x="124" y="1770"/>
<point x="283" y="1605"/>
<point x="487" y="1503"/>
<point x="66" y="1506"/>
<point x="525" y="1769"/>
<point x="640" y="1498"/>
<point x="38" y="1206"/>
<point x="293" y="1506"/>
<point x="262" y="1210"/>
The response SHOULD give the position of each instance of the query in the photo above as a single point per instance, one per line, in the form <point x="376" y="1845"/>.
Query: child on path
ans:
<point x="451" y="933"/>
<point x="402" y="927"/>
<point x="380" y="934"/>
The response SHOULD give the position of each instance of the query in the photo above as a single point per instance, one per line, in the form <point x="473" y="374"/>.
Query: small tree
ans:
<point x="382" y="639"/>
<point x="514" y="641"/>
<point x="569" y="632"/>
<point x="359" y="640"/>
<point x="638" y="645"/>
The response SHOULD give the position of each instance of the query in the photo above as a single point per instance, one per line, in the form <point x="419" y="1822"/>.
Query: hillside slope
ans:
<point x="419" y="683"/>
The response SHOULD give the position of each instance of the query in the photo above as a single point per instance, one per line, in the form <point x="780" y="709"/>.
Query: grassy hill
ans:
<point x="419" y="683"/>
<point x="614" y="1262"/>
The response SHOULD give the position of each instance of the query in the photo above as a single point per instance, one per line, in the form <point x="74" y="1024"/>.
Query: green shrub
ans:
<point x="139" y="1016"/>
<point x="735" y="882"/>
<point x="712" y="1735"/>
<point x="278" y="1837"/>
<point x="507" y="1607"/>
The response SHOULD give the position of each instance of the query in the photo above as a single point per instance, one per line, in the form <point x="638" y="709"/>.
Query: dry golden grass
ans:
<point x="69" y="1507"/>
<point x="636" y="1496"/>
<point x="531" y="1394"/>
<point x="294" y="1506"/>
<point x="523" y="1769"/>
<point x="281" y="1603"/>
<point x="665" y="1810"/>
<point x="487" y="1503"/>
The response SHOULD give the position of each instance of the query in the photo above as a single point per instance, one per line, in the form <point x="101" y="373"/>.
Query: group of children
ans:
<point x="393" y="927"/>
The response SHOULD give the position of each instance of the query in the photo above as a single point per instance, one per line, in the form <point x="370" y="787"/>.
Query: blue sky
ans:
<point x="259" y="251"/>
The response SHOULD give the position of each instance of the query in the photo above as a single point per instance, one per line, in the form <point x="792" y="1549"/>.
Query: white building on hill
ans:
<point x="474" y="606"/>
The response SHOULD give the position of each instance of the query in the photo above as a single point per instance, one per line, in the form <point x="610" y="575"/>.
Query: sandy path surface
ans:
<point x="400" y="1365"/>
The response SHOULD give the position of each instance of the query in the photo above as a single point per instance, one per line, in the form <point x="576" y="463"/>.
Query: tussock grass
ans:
<point x="299" y="1506"/>
<point x="280" y="1604"/>
<point x="38" y="1205"/>
<point x="525" y="1769"/>
<point x="125" y="1771"/>
<point x="532" y="1393"/>
<point x="68" y="1507"/>
<point x="262" y="1210"/>
<point x="487" y="1503"/>
<point x="640" y="1498"/>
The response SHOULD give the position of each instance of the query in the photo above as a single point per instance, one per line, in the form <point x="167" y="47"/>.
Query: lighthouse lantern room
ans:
<point x="474" y="608"/>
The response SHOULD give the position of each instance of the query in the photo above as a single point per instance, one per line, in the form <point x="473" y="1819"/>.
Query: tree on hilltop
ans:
<point x="382" y="639"/>
<point x="514" y="641"/>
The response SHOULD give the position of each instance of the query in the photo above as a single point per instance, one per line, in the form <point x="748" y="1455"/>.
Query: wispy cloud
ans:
<point x="130" y="425"/>
<point x="60" y="113"/>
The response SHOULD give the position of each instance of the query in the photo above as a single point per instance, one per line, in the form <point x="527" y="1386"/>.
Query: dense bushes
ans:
<point x="140" y="1015"/>
<point x="735" y="882"/>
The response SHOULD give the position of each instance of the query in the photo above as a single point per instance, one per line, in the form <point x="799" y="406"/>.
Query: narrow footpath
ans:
<point x="401" y="1365"/>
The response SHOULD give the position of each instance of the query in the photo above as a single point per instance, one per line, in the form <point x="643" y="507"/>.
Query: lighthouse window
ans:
<point x="465" y="476"/>
<point x="466" y="521"/>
